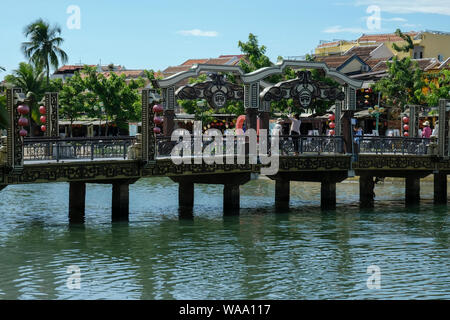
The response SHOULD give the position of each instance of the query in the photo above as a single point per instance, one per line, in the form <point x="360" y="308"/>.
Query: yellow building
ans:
<point x="427" y="44"/>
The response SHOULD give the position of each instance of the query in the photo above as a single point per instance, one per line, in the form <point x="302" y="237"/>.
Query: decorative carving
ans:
<point x="395" y="162"/>
<point x="51" y="110"/>
<point x="148" y="136"/>
<point x="14" y="141"/>
<point x="216" y="91"/>
<point x="303" y="90"/>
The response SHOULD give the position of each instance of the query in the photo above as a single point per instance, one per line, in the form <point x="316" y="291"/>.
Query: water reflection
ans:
<point x="261" y="254"/>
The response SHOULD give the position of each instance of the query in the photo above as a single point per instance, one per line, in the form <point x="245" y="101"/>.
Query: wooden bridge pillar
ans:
<point x="77" y="199"/>
<point x="231" y="199"/>
<point x="328" y="195"/>
<point x="282" y="194"/>
<point x="366" y="193"/>
<point x="440" y="188"/>
<point x="412" y="190"/>
<point x="120" y="201"/>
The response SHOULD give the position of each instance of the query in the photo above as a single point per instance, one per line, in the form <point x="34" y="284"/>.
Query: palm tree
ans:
<point x="43" y="49"/>
<point x="31" y="80"/>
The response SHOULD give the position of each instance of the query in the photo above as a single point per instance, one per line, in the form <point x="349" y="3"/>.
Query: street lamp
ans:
<point x="376" y="112"/>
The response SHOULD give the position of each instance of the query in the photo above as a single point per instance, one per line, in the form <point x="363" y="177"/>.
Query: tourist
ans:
<point x="295" y="130"/>
<point x="278" y="128"/>
<point x="435" y="132"/>
<point x="426" y="132"/>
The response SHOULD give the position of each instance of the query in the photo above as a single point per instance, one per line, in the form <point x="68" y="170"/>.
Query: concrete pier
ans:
<point x="282" y="194"/>
<point x="412" y="190"/>
<point x="120" y="201"/>
<point x="231" y="199"/>
<point x="366" y="191"/>
<point x="440" y="188"/>
<point x="186" y="194"/>
<point x="77" y="200"/>
<point x="328" y="195"/>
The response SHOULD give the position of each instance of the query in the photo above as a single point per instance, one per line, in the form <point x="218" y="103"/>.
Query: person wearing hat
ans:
<point x="426" y="132"/>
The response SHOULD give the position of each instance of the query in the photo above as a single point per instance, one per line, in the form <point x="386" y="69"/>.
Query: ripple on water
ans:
<point x="261" y="254"/>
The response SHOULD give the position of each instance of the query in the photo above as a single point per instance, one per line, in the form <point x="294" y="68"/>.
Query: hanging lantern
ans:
<point x="157" y="130"/>
<point x="43" y="128"/>
<point x="332" y="125"/>
<point x="370" y="90"/>
<point x="406" y="127"/>
<point x="332" y="132"/>
<point x="406" y="134"/>
<point x="405" y="119"/>
<point x="23" y="122"/>
<point x="43" y="119"/>
<point x="42" y="110"/>
<point x="366" y="96"/>
<point x="366" y="102"/>
<point x="370" y="110"/>
<point x="23" y="133"/>
<point x="331" y="117"/>
<point x="157" y="120"/>
<point x="157" y="108"/>
<point x="23" y="109"/>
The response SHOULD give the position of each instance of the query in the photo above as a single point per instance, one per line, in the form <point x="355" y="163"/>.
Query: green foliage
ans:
<point x="438" y="87"/>
<point x="409" y="42"/>
<point x="4" y="119"/>
<point x="31" y="80"/>
<point x="120" y="99"/>
<point x="76" y="101"/>
<point x="43" y="48"/>
<point x="403" y="80"/>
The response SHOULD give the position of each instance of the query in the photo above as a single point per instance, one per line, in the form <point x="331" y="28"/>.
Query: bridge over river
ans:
<point x="121" y="161"/>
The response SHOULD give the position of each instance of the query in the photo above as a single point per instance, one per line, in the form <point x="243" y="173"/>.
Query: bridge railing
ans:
<point x="394" y="145"/>
<point x="51" y="149"/>
<point x="288" y="145"/>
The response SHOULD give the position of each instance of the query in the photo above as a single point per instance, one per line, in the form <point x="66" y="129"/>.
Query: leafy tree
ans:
<point x="403" y="80"/>
<point x="43" y="48"/>
<point x="435" y="87"/>
<point x="75" y="100"/>
<point x="119" y="97"/>
<point x="4" y="118"/>
<point x="409" y="42"/>
<point x="31" y="80"/>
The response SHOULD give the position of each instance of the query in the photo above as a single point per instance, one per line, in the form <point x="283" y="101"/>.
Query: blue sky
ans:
<point x="155" y="34"/>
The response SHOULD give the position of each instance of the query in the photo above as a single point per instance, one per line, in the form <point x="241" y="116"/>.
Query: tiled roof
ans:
<point x="172" y="70"/>
<point x="384" y="37"/>
<point x="334" y="61"/>
<point x="70" y="68"/>
<point x="422" y="63"/>
<point x="191" y="62"/>
<point x="372" y="62"/>
<point x="362" y="51"/>
<point x="127" y="73"/>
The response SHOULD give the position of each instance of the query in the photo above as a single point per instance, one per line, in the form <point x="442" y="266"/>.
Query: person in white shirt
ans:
<point x="278" y="128"/>
<point x="295" y="130"/>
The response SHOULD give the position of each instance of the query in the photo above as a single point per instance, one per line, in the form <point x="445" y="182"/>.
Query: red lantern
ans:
<point x="43" y="128"/>
<point x="406" y="127"/>
<point x="332" y="132"/>
<point x="406" y="134"/>
<point x="405" y="119"/>
<point x="331" y="117"/>
<point x="43" y="119"/>
<point x="157" y="130"/>
<point x="157" y="108"/>
<point x="23" y="122"/>
<point x="332" y="125"/>
<point x="42" y="110"/>
<point x="23" y="133"/>
<point x="157" y="120"/>
<point x="23" y="109"/>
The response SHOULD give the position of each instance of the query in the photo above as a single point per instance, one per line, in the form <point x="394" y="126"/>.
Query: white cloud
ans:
<point x="410" y="6"/>
<point x="340" y="29"/>
<point x="397" y="19"/>
<point x="198" y="33"/>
